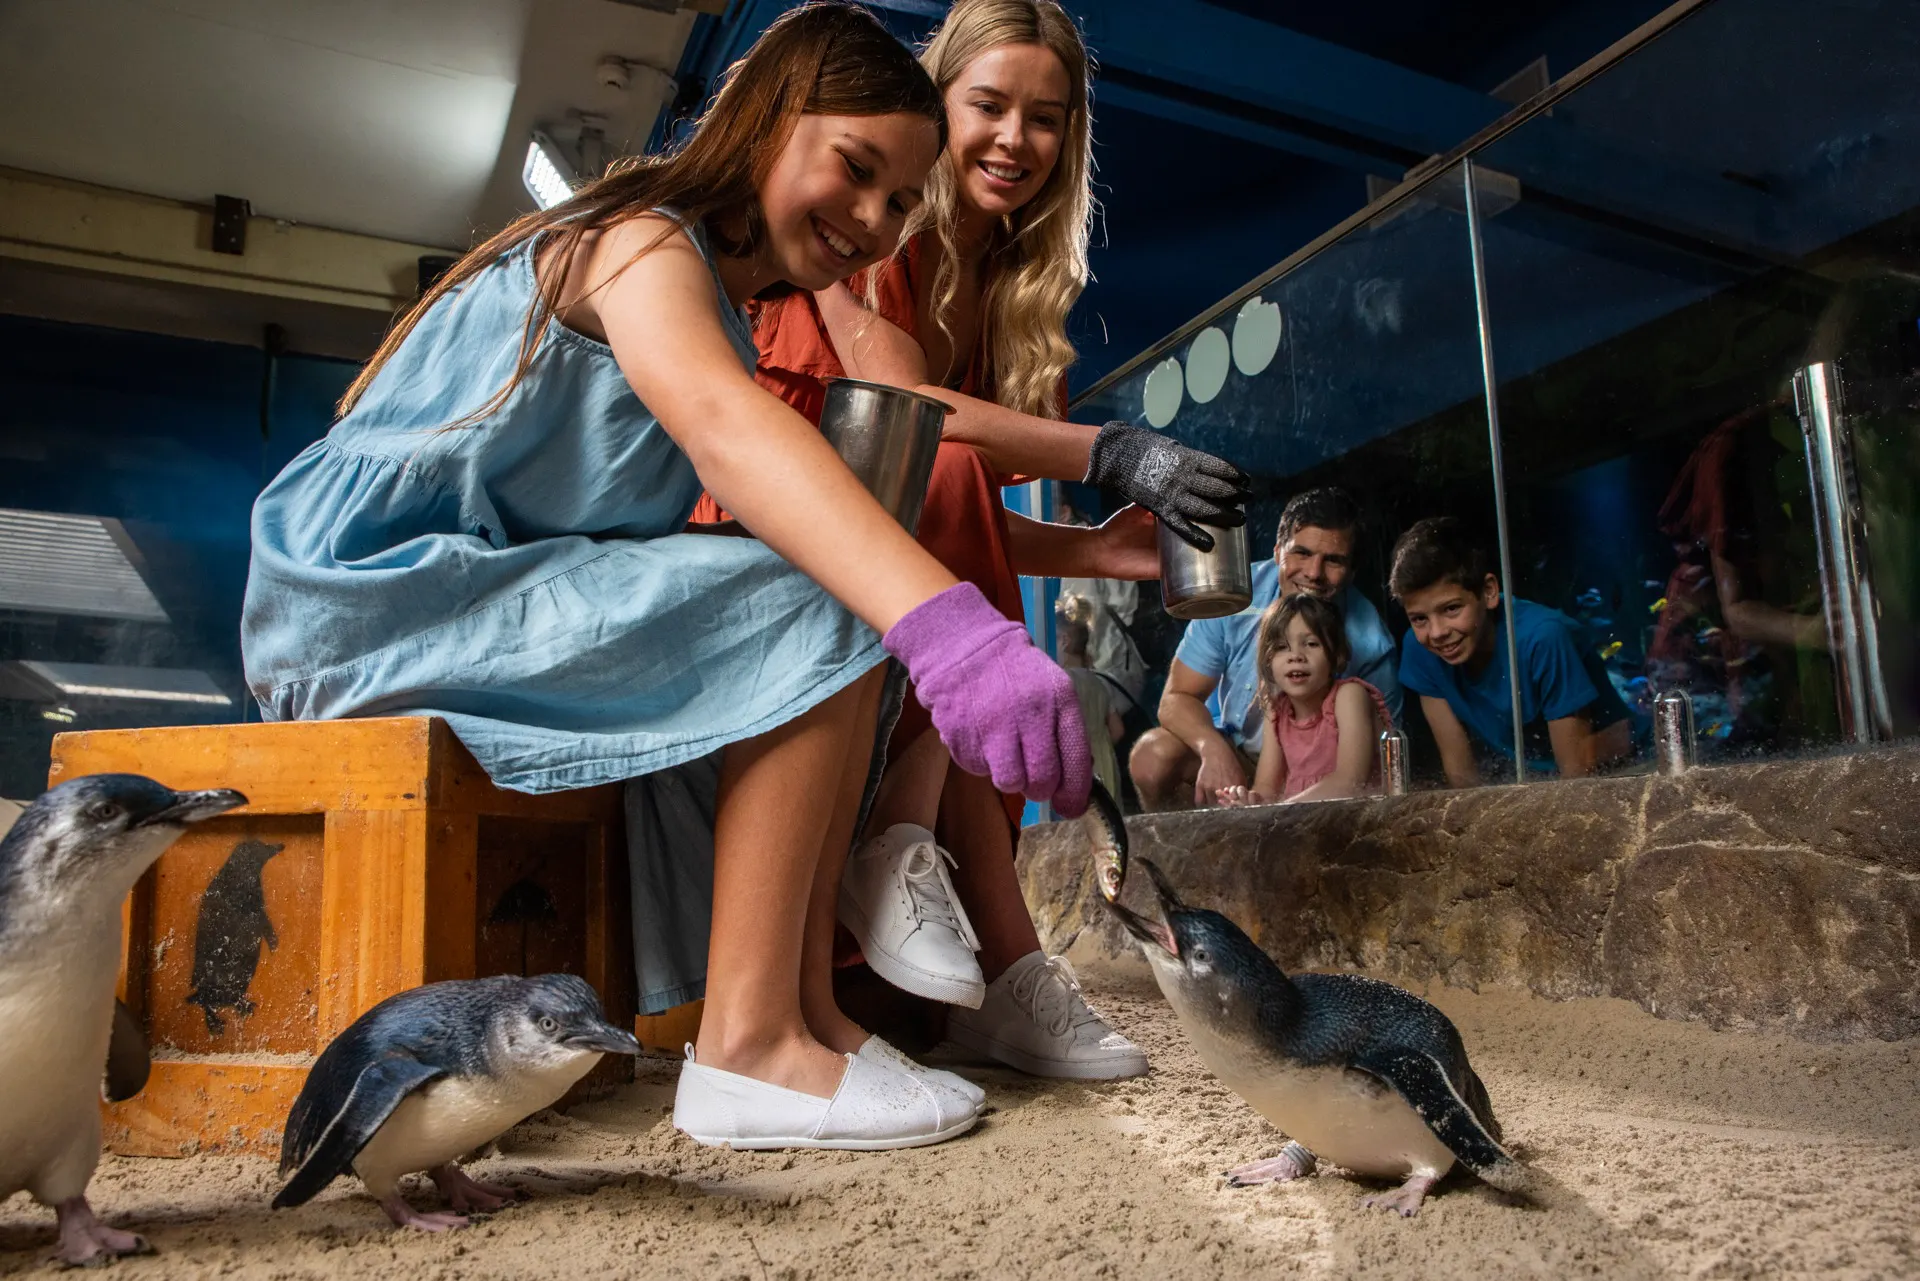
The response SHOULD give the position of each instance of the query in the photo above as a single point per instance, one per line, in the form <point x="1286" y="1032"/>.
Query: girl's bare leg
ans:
<point x="824" y="1018"/>
<point x="910" y="789"/>
<point x="778" y="796"/>
<point x="973" y="824"/>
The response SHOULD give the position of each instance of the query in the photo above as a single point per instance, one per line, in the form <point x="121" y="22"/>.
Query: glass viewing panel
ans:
<point x="1359" y="369"/>
<point x="1706" y="318"/>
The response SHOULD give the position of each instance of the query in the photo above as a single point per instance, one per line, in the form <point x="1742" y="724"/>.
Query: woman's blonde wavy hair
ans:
<point x="1038" y="258"/>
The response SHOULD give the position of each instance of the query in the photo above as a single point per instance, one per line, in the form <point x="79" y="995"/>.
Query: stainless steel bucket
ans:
<point x="1197" y="584"/>
<point x="888" y="437"/>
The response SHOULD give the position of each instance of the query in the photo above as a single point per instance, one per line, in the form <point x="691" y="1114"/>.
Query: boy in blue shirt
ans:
<point x="1455" y="658"/>
<point x="1210" y="722"/>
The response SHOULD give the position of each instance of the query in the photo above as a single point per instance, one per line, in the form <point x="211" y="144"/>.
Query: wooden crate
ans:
<point x="372" y="856"/>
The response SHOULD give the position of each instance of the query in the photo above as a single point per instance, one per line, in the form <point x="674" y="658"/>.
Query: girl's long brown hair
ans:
<point x="825" y="58"/>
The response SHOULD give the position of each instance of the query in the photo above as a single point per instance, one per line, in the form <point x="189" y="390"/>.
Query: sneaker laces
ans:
<point x="1050" y="994"/>
<point x="930" y="890"/>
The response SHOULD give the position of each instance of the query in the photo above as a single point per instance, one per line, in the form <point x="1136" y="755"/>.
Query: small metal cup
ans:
<point x="888" y="437"/>
<point x="1673" y="735"/>
<point x="1393" y="761"/>
<point x="1197" y="584"/>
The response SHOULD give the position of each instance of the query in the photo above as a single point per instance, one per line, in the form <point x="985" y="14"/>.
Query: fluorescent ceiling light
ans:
<point x="547" y="175"/>
<point x="53" y="563"/>
<point x="34" y="678"/>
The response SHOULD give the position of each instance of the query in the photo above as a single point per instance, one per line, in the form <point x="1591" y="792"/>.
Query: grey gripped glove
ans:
<point x="1177" y="484"/>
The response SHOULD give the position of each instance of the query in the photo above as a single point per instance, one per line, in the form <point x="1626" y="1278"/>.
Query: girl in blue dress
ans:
<point x="492" y="534"/>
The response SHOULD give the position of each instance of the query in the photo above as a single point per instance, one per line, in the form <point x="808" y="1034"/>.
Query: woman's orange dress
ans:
<point x="964" y="522"/>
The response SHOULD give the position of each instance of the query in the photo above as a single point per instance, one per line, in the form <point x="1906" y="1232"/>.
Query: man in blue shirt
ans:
<point x="1210" y="720"/>
<point x="1455" y="658"/>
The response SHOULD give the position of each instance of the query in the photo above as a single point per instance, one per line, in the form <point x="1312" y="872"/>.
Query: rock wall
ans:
<point x="1781" y="895"/>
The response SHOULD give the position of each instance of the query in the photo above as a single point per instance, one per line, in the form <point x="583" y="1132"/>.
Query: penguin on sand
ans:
<point x="1358" y="1072"/>
<point x="433" y="1073"/>
<point x="65" y="868"/>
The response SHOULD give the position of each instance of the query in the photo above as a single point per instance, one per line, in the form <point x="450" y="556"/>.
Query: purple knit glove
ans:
<point x="1002" y="707"/>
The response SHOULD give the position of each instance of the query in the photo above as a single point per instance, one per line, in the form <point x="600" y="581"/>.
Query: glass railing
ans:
<point x="1700" y="286"/>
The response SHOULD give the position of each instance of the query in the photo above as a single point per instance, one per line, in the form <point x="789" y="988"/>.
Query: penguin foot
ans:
<point x="464" y="1193"/>
<point x="86" y="1242"/>
<point x="1294" y="1162"/>
<point x="1406" y="1198"/>
<point x="405" y="1216"/>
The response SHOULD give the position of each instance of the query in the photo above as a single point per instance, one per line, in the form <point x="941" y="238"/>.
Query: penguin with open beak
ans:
<point x="66" y="866"/>
<point x="1357" y="1072"/>
<point x="432" y="1074"/>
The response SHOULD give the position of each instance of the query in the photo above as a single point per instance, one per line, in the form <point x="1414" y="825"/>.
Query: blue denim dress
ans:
<point x="525" y="577"/>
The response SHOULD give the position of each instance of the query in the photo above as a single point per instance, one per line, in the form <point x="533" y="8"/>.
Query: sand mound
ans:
<point x="1660" y="1149"/>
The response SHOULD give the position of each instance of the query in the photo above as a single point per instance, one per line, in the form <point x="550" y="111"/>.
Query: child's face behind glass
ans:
<point x="840" y="192"/>
<point x="1302" y="668"/>
<point x="1452" y="620"/>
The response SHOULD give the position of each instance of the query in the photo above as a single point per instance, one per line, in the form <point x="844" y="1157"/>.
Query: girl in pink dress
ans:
<point x="1320" y="732"/>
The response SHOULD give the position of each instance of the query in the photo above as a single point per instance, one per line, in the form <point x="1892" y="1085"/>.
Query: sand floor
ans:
<point x="1662" y="1149"/>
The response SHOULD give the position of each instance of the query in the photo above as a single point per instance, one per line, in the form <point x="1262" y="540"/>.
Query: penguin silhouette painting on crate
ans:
<point x="65" y="868"/>
<point x="228" y="934"/>
<point x="1356" y="1072"/>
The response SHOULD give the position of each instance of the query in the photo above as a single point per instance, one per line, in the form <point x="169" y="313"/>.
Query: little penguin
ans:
<point x="65" y="868"/>
<point x="1358" y="1072"/>
<point x="432" y="1074"/>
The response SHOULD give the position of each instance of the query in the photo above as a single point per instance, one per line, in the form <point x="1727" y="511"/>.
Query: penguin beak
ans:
<point x="605" y="1039"/>
<point x="1158" y="933"/>
<point x="191" y="807"/>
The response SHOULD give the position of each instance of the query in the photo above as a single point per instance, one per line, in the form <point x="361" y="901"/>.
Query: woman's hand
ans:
<point x="1129" y="545"/>
<point x="1183" y="487"/>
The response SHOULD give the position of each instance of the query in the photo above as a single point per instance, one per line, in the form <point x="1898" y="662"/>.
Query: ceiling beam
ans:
<point x="78" y="226"/>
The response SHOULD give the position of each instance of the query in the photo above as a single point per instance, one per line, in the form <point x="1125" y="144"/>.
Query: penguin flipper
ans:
<point x="380" y="1088"/>
<point x="1419" y="1079"/>
<point x="128" y="1061"/>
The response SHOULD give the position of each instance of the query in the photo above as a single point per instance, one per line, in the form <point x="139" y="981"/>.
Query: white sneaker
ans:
<point x="1034" y="1019"/>
<point x="875" y="1108"/>
<point x="897" y="899"/>
<point x="881" y="1052"/>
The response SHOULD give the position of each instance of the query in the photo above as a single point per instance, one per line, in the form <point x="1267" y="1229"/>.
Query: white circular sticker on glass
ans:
<point x="1161" y="398"/>
<point x="1256" y="335"/>
<point x="1207" y="362"/>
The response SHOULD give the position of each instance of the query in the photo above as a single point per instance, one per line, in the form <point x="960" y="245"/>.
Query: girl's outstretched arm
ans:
<point x="760" y="460"/>
<point x="1353" y="762"/>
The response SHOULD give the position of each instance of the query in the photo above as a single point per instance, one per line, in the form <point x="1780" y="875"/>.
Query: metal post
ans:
<point x="1393" y="761"/>
<point x="1673" y="736"/>
<point x="1472" y="189"/>
<point x="1846" y="583"/>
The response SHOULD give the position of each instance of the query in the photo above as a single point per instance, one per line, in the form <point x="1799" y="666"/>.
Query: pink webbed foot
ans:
<point x="1406" y="1198"/>
<point x="85" y="1241"/>
<point x="467" y="1194"/>
<point x="1294" y="1162"/>
<point x="405" y="1216"/>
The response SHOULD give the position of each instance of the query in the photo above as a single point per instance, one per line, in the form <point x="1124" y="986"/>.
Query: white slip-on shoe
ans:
<point x="882" y="1052"/>
<point x="874" y="1109"/>
<point x="1035" y="1019"/>
<point x="896" y="898"/>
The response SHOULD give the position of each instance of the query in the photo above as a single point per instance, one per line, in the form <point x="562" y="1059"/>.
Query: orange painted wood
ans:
<point x="669" y="1031"/>
<point x="190" y="1107"/>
